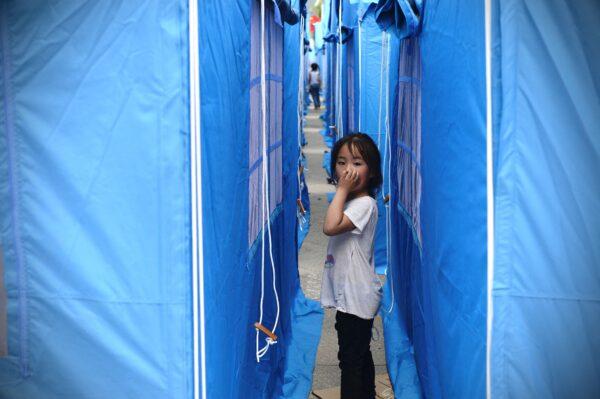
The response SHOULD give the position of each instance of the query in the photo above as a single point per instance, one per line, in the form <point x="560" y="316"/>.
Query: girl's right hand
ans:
<point x="348" y="180"/>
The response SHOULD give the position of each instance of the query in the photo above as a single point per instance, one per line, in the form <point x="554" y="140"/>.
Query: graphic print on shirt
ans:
<point x="329" y="262"/>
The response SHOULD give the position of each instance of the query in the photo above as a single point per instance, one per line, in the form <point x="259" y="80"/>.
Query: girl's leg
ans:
<point x="314" y="97"/>
<point x="314" y="93"/>
<point x="368" y="375"/>
<point x="354" y="338"/>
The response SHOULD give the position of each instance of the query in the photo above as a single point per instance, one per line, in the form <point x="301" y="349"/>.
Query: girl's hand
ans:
<point x="335" y="220"/>
<point x="348" y="180"/>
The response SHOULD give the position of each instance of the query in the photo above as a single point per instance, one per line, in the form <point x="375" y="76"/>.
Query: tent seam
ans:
<point x="14" y="189"/>
<point x="513" y="193"/>
<point x="184" y="120"/>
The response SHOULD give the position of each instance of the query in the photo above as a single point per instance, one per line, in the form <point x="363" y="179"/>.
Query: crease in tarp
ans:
<point x="403" y="15"/>
<point x="284" y="12"/>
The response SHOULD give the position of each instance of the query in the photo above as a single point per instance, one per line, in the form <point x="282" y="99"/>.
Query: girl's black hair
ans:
<point x="314" y="66"/>
<point x="367" y="149"/>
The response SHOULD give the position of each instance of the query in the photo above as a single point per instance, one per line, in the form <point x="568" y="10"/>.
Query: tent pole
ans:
<point x="199" y="354"/>
<point x="490" y="195"/>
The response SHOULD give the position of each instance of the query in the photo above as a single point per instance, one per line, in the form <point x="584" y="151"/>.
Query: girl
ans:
<point x="314" y="84"/>
<point x="350" y="284"/>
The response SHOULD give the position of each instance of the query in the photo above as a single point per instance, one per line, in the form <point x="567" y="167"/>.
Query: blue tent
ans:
<point x="149" y="187"/>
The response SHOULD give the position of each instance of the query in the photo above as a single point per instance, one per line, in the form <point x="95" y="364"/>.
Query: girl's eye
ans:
<point x="357" y="163"/>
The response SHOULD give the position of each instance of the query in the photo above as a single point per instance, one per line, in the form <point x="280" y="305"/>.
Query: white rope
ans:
<point x="388" y="232"/>
<point x="199" y="364"/>
<point x="383" y="88"/>
<point x="490" y="198"/>
<point x="301" y="83"/>
<point x="388" y="155"/>
<point x="266" y="211"/>
<point x="300" y="112"/>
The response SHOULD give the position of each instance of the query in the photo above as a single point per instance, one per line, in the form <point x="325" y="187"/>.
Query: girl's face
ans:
<point x="347" y="160"/>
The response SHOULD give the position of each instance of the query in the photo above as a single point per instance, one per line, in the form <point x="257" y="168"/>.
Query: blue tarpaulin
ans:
<point x="546" y="292"/>
<point x="94" y="208"/>
<point x="450" y="288"/>
<point x="492" y="281"/>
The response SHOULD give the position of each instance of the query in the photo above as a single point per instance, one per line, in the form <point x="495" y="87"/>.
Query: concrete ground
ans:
<point x="312" y="254"/>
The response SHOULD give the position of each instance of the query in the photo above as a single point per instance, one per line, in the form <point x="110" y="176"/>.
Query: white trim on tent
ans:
<point x="199" y="364"/>
<point x="360" y="93"/>
<point x="490" y="195"/>
<point x="340" y="100"/>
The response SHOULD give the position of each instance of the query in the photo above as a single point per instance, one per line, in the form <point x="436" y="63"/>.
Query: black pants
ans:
<point x="356" y="361"/>
<point x="314" y="90"/>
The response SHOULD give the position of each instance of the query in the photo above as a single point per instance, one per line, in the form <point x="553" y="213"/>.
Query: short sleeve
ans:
<point x="359" y="212"/>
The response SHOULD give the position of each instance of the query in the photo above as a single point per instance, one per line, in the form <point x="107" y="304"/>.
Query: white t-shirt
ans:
<point x="314" y="77"/>
<point x="350" y="283"/>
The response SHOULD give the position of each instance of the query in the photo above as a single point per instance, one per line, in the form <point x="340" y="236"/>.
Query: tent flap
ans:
<point x="546" y="282"/>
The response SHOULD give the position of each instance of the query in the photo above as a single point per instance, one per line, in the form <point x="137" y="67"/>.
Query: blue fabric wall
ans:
<point x="453" y="208"/>
<point x="94" y="209"/>
<point x="306" y="316"/>
<point x="232" y="264"/>
<point x="403" y="323"/>
<point x="402" y="310"/>
<point x="546" y="340"/>
<point x="94" y="199"/>
<point x="224" y="80"/>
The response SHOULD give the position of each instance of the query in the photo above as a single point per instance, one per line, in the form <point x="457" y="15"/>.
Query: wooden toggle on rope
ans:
<point x="264" y="329"/>
<point x="300" y="206"/>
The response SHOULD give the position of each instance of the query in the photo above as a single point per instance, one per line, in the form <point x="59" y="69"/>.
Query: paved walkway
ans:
<point x="326" y="374"/>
